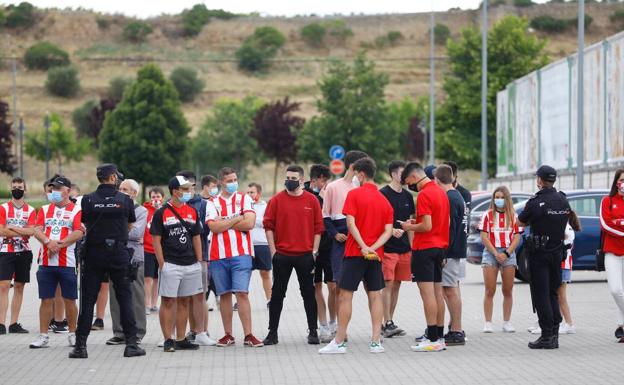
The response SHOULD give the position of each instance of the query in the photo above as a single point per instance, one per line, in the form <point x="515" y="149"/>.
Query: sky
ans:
<point x="148" y="8"/>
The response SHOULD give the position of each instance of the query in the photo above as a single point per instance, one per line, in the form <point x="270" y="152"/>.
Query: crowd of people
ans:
<point x="210" y="234"/>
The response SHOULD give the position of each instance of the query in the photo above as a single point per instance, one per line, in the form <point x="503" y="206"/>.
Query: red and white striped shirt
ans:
<point x="58" y="223"/>
<point x="569" y="240"/>
<point x="230" y="243"/>
<point x="493" y="223"/>
<point x="20" y="217"/>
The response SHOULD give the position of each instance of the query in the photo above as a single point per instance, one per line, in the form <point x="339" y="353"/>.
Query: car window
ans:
<point x="481" y="206"/>
<point x="586" y="206"/>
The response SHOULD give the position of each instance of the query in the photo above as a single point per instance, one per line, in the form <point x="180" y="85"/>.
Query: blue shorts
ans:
<point x="337" y="256"/>
<point x="262" y="258"/>
<point x="566" y="275"/>
<point x="49" y="277"/>
<point x="232" y="275"/>
<point x="489" y="260"/>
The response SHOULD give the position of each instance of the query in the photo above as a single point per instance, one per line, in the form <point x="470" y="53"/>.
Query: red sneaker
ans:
<point x="253" y="342"/>
<point x="226" y="340"/>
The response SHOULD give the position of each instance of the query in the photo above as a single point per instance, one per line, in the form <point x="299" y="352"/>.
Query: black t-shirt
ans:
<point x="458" y="228"/>
<point x="326" y="242"/>
<point x="403" y="205"/>
<point x="466" y="195"/>
<point x="176" y="243"/>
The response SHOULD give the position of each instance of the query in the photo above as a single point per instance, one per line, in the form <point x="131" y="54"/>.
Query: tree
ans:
<point x="146" y="135"/>
<point x="62" y="143"/>
<point x="81" y="118"/>
<point x="259" y="48"/>
<point x="137" y="31"/>
<point x="512" y="53"/>
<point x="63" y="81"/>
<point x="45" y="55"/>
<point x="225" y="137"/>
<point x="187" y="83"/>
<point x="275" y="129"/>
<point x="7" y="160"/>
<point x="117" y="86"/>
<point x="97" y="117"/>
<point x="313" y="34"/>
<point x="354" y="114"/>
<point x="22" y="15"/>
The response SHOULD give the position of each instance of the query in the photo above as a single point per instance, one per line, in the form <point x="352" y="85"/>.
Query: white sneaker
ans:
<point x="428" y="346"/>
<point x="71" y="339"/>
<point x="204" y="339"/>
<point x="375" y="347"/>
<point x="161" y="344"/>
<point x="487" y="328"/>
<point x="508" y="327"/>
<point x="325" y="334"/>
<point x="564" y="328"/>
<point x="43" y="341"/>
<point x="334" y="348"/>
<point x="148" y="311"/>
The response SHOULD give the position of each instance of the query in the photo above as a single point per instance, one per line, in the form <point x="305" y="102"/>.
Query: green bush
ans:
<point x="187" y="82"/>
<point x="441" y="33"/>
<point x="313" y="34"/>
<point x="194" y="19"/>
<point x="63" y="81"/>
<point x="547" y="23"/>
<point x="269" y="37"/>
<point x="117" y="86"/>
<point x="394" y="37"/>
<point x="251" y="58"/>
<point x="81" y="117"/>
<point x="588" y="21"/>
<point x="616" y="17"/>
<point x="2" y="17"/>
<point x="22" y="15"/>
<point x="259" y="48"/>
<point x="102" y="22"/>
<point x="339" y="30"/>
<point x="137" y="31"/>
<point x="381" y="41"/>
<point x="45" y="55"/>
<point x="523" y="3"/>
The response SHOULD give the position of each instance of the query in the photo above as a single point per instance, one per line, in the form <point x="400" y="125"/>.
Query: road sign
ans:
<point x="337" y="167"/>
<point x="336" y="152"/>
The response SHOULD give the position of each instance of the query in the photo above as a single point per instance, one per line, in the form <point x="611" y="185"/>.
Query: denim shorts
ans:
<point x="566" y="275"/>
<point x="232" y="275"/>
<point x="49" y="277"/>
<point x="489" y="260"/>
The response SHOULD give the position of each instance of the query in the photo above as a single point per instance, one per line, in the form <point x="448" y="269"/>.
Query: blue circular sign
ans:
<point x="336" y="152"/>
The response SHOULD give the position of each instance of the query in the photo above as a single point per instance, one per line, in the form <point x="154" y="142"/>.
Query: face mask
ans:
<point x="414" y="187"/>
<point x="185" y="197"/>
<point x="231" y="187"/>
<point x="291" y="185"/>
<point x="316" y="189"/>
<point x="355" y="181"/>
<point x="499" y="203"/>
<point x="55" y="197"/>
<point x="156" y="203"/>
<point x="17" y="193"/>
<point x="213" y="192"/>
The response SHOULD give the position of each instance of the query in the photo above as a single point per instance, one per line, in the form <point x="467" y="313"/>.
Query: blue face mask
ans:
<point x="316" y="189"/>
<point x="214" y="191"/>
<point x="185" y="197"/>
<point x="55" y="197"/>
<point x="231" y="188"/>
<point x="499" y="203"/>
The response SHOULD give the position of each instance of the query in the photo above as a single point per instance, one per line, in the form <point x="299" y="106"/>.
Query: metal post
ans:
<point x="484" y="90"/>
<point x="47" y="146"/>
<point x="14" y="76"/>
<point x="432" y="91"/>
<point x="21" y="146"/>
<point x="580" y="156"/>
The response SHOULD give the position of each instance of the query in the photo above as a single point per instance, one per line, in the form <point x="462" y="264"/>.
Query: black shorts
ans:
<point x="356" y="269"/>
<point x="262" y="258"/>
<point x="323" y="268"/>
<point x="150" y="266"/>
<point x="427" y="265"/>
<point x="16" y="266"/>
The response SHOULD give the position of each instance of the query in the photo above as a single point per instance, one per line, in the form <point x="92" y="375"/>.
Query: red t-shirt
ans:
<point x="294" y="220"/>
<point x="372" y="213"/>
<point x="433" y="201"/>
<point x="612" y="222"/>
<point x="148" y="245"/>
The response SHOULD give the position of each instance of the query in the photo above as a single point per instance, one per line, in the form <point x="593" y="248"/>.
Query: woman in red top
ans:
<point x="500" y="235"/>
<point x="612" y="222"/>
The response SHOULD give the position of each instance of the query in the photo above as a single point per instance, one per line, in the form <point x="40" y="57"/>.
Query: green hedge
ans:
<point x="45" y="55"/>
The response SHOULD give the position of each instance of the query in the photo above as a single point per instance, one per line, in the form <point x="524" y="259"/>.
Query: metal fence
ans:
<point x="537" y="114"/>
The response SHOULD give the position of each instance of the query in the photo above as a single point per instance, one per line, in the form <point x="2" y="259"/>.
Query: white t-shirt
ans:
<point x="258" y="236"/>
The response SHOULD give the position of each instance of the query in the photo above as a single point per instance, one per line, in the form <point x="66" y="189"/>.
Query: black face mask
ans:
<point x="17" y="193"/>
<point x="291" y="185"/>
<point x="414" y="186"/>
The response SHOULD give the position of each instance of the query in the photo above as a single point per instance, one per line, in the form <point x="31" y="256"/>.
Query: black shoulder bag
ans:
<point x="600" y="253"/>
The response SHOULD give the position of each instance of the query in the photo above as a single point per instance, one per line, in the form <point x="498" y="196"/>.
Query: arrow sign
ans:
<point x="336" y="152"/>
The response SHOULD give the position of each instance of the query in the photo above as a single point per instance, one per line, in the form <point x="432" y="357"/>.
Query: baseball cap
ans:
<point x="429" y="171"/>
<point x="60" y="181"/>
<point x="107" y="169"/>
<point x="179" y="181"/>
<point x="547" y="173"/>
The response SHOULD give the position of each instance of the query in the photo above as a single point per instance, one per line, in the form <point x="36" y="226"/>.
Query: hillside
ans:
<point x="100" y="55"/>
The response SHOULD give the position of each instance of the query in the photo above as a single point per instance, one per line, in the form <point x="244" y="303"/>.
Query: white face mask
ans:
<point x="355" y="181"/>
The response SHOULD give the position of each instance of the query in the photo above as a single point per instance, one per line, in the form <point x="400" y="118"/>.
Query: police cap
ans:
<point x="547" y="173"/>
<point x="105" y="170"/>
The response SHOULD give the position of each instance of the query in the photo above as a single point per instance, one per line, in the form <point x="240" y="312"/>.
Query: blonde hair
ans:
<point x="508" y="209"/>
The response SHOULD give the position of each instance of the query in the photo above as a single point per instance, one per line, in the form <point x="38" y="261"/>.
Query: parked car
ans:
<point x="586" y="204"/>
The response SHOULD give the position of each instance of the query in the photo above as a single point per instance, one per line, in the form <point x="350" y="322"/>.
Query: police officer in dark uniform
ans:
<point x="107" y="215"/>
<point x="547" y="213"/>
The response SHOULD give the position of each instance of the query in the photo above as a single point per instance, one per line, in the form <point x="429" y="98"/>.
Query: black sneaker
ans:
<point x="454" y="339"/>
<point x="2" y="329"/>
<point x="133" y="351"/>
<point x="313" y="338"/>
<point x="52" y="325"/>
<point x="61" y="327"/>
<point x="116" y="341"/>
<point x="390" y="330"/>
<point x="169" y="346"/>
<point x="619" y="333"/>
<point x="191" y="336"/>
<point x="98" y="324"/>
<point x="235" y="308"/>
<point x="185" y="345"/>
<point x="271" y="339"/>
<point x="17" y="329"/>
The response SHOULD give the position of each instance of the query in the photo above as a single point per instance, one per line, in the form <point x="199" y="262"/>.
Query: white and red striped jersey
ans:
<point x="58" y="223"/>
<point x="10" y="215"/>
<point x="569" y="240"/>
<point x="230" y="243"/>
<point x="493" y="223"/>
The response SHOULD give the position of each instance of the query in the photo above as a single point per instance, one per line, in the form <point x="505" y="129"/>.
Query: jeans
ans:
<point x="282" y="268"/>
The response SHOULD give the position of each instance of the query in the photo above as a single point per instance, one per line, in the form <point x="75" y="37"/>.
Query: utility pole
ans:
<point x="432" y="91"/>
<point x="580" y="132"/>
<point x="47" y="145"/>
<point x="14" y="79"/>
<point x="21" y="146"/>
<point x="484" y="91"/>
